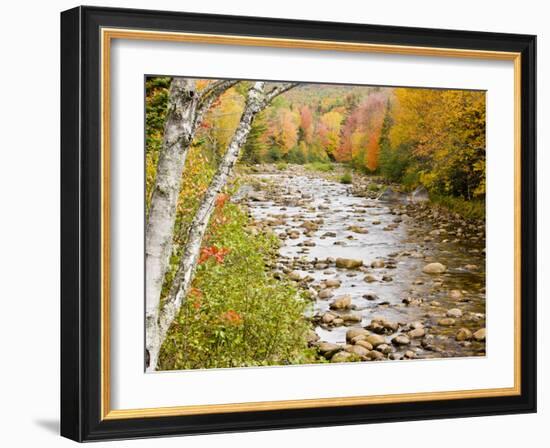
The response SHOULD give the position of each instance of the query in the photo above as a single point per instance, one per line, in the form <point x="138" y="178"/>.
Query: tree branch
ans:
<point x="278" y="90"/>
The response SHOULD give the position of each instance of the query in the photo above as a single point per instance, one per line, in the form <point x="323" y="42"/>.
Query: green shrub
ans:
<point x="323" y="167"/>
<point x="274" y="154"/>
<point x="395" y="161"/>
<point x="237" y="314"/>
<point x="346" y="178"/>
<point x="473" y="209"/>
<point x="373" y="187"/>
<point x="281" y="166"/>
<point x="296" y="156"/>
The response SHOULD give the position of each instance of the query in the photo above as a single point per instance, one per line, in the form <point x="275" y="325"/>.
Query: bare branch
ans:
<point x="276" y="91"/>
<point x="214" y="90"/>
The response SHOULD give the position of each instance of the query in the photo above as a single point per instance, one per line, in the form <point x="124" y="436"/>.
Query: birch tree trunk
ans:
<point x="257" y="100"/>
<point x="186" y="109"/>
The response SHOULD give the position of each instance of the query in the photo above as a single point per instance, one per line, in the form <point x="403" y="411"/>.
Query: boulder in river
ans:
<point x="348" y="263"/>
<point x="420" y="194"/>
<point x="416" y="333"/>
<point x="359" y="350"/>
<point x="328" y="350"/>
<point x="401" y="340"/>
<point x="455" y="294"/>
<point x="375" y="340"/>
<point x="309" y="225"/>
<point x="332" y="283"/>
<point x="454" y="312"/>
<point x="352" y="318"/>
<point x="326" y="294"/>
<point x="446" y="322"/>
<point x="354" y="332"/>
<point x="463" y="335"/>
<point x="434" y="268"/>
<point x="341" y="303"/>
<point x="358" y="229"/>
<point x="369" y="278"/>
<point x="365" y="344"/>
<point x="390" y="195"/>
<point x="375" y="355"/>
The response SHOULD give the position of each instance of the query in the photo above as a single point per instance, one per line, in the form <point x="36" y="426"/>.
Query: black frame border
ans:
<point x="81" y="223"/>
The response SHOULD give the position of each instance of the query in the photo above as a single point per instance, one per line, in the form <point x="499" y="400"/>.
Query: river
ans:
<point x="320" y="220"/>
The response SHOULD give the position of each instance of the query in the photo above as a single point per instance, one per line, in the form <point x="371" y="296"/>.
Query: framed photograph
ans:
<point x="272" y="224"/>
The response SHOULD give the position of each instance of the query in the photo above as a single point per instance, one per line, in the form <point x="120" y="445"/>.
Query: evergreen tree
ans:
<point x="254" y="146"/>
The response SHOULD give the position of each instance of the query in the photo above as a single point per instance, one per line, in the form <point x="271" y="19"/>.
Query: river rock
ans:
<point x="446" y="322"/>
<point x="359" y="350"/>
<point x="332" y="283"/>
<point x="369" y="278"/>
<point x="384" y="348"/>
<point x="382" y="326"/>
<point x="375" y="355"/>
<point x="455" y="294"/>
<point x="376" y="327"/>
<point x="479" y="335"/>
<point x="463" y="335"/>
<point x="377" y="264"/>
<point x="434" y="268"/>
<point x="326" y="294"/>
<point x="352" y="333"/>
<point x="375" y="340"/>
<point x="328" y="350"/>
<point x="364" y="343"/>
<point x="454" y="312"/>
<point x="416" y="333"/>
<point x="401" y="340"/>
<point x="328" y="318"/>
<point x="358" y="229"/>
<point x="352" y="317"/>
<point x="370" y="296"/>
<point x="295" y="276"/>
<point x="341" y="303"/>
<point x="348" y="263"/>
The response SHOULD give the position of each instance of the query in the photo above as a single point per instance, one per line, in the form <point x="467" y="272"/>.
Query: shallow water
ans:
<point x="408" y="247"/>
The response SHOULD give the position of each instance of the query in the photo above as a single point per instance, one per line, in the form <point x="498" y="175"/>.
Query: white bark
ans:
<point x="186" y="109"/>
<point x="257" y="100"/>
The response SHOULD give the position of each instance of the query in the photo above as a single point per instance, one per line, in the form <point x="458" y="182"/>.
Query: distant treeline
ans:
<point x="408" y="135"/>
